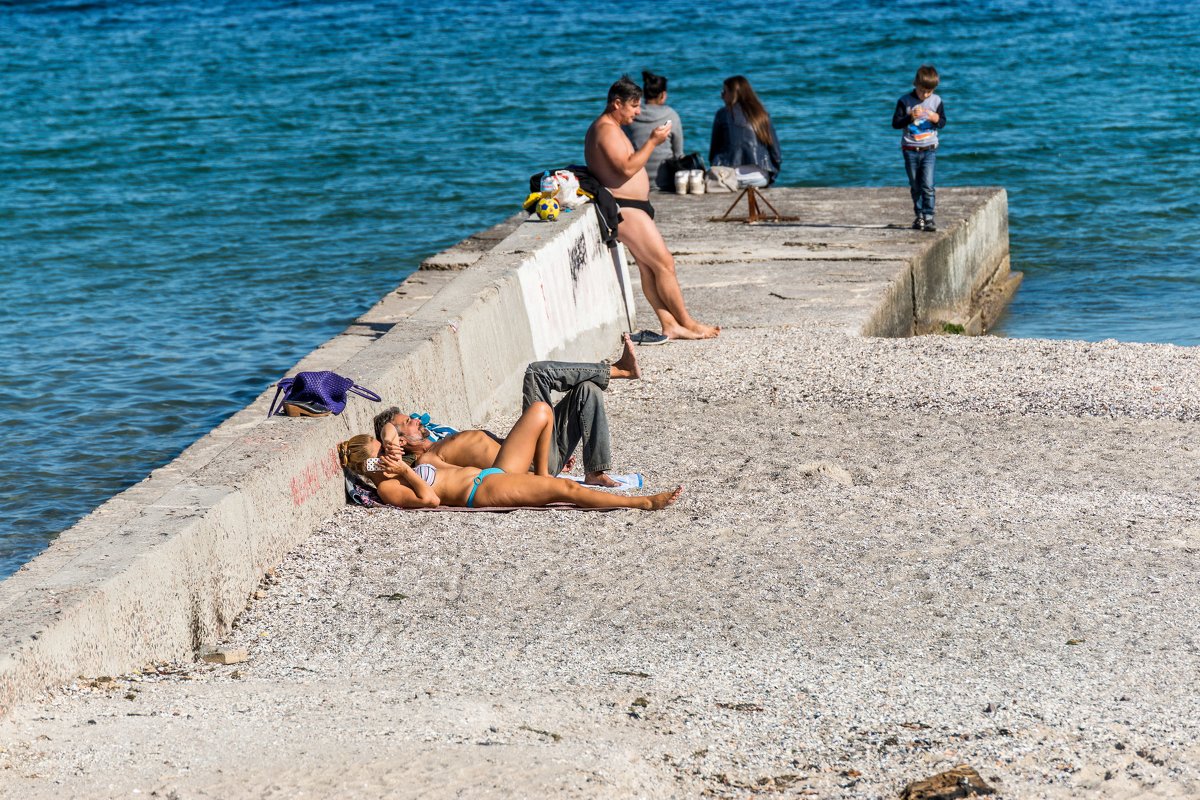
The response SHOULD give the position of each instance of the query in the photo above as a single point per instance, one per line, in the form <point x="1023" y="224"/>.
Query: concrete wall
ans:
<point x="944" y="280"/>
<point x="958" y="265"/>
<point x="163" y="568"/>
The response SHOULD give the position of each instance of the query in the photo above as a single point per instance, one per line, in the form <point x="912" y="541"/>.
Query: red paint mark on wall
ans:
<point x="310" y="479"/>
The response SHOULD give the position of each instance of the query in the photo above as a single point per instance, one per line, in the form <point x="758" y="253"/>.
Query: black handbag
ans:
<point x="689" y="161"/>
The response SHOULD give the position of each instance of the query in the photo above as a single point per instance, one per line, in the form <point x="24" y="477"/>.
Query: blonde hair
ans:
<point x="741" y="95"/>
<point x="353" y="453"/>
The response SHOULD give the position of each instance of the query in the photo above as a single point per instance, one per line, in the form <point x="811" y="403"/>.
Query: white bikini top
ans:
<point x="426" y="472"/>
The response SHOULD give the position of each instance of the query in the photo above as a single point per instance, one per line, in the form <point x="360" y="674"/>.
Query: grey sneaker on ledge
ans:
<point x="918" y="224"/>
<point x="929" y="226"/>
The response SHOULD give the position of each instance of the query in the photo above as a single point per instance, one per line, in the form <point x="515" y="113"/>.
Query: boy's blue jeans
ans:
<point x="919" y="166"/>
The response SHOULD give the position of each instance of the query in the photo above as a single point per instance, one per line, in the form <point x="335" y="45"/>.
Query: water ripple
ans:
<point x="193" y="196"/>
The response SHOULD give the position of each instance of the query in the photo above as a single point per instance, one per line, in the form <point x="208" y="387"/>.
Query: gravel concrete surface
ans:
<point x="891" y="557"/>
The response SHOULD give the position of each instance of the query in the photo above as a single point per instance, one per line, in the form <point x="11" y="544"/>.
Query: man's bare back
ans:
<point x="622" y="170"/>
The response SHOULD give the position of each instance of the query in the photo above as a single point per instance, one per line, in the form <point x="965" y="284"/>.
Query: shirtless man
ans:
<point x="621" y="169"/>
<point x="579" y="417"/>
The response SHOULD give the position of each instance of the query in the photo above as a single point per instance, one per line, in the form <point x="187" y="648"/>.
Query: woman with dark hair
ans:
<point x="656" y="112"/>
<point x="742" y="134"/>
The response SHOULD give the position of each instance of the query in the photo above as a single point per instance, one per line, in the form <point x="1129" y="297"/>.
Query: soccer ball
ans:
<point x="548" y="209"/>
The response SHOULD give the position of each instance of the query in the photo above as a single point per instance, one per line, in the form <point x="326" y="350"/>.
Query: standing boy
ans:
<point x="920" y="115"/>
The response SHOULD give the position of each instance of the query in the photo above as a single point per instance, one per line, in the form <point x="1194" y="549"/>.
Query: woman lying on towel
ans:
<point x="508" y="482"/>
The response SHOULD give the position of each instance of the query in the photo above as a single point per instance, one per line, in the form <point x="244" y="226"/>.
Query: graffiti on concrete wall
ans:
<point x="578" y="258"/>
<point x="307" y="484"/>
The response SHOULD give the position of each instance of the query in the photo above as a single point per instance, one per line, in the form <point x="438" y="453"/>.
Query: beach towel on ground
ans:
<point x="360" y="493"/>
<point x="506" y="509"/>
<point x="633" y="480"/>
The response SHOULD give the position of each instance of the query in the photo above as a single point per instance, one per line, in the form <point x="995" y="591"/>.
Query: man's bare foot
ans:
<point x="600" y="479"/>
<point x="569" y="465"/>
<point x="698" y="331"/>
<point x="626" y="366"/>
<point x="664" y="499"/>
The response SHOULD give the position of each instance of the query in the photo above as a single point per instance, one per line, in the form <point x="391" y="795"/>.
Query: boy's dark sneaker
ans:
<point x="918" y="224"/>
<point x="928" y="224"/>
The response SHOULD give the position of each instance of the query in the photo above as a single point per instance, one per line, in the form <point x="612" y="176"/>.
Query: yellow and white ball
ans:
<point x="548" y="209"/>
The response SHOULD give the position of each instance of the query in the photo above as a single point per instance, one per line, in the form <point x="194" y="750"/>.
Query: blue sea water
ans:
<point x="194" y="195"/>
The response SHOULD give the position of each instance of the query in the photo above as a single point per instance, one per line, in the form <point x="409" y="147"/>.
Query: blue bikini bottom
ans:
<point x="479" y="480"/>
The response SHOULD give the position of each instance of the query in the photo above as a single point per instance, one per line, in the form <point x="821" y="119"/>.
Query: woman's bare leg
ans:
<point x="529" y="442"/>
<point x="591" y="498"/>
<point x="534" y="490"/>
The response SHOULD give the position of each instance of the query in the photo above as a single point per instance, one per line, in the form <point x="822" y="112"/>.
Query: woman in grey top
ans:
<point x="656" y="112"/>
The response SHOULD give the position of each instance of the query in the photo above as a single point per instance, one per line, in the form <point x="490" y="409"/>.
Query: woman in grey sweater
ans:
<point x="656" y="112"/>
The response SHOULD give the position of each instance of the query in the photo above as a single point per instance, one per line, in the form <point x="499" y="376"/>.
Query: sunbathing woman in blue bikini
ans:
<point x="508" y="482"/>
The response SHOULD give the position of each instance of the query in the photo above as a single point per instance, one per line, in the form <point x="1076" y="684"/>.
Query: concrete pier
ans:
<point x="839" y="264"/>
<point x="162" y="569"/>
<point x="893" y="555"/>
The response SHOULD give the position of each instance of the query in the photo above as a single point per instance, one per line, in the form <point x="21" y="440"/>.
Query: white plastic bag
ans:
<point x="568" y="189"/>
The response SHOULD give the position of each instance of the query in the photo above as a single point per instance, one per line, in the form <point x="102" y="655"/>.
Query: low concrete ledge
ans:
<point x="849" y="256"/>
<point x="473" y="248"/>
<point x="162" y="569"/>
<point x="947" y="281"/>
<point x="960" y="263"/>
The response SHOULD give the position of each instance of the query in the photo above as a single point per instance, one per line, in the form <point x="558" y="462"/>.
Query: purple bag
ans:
<point x="318" y="389"/>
